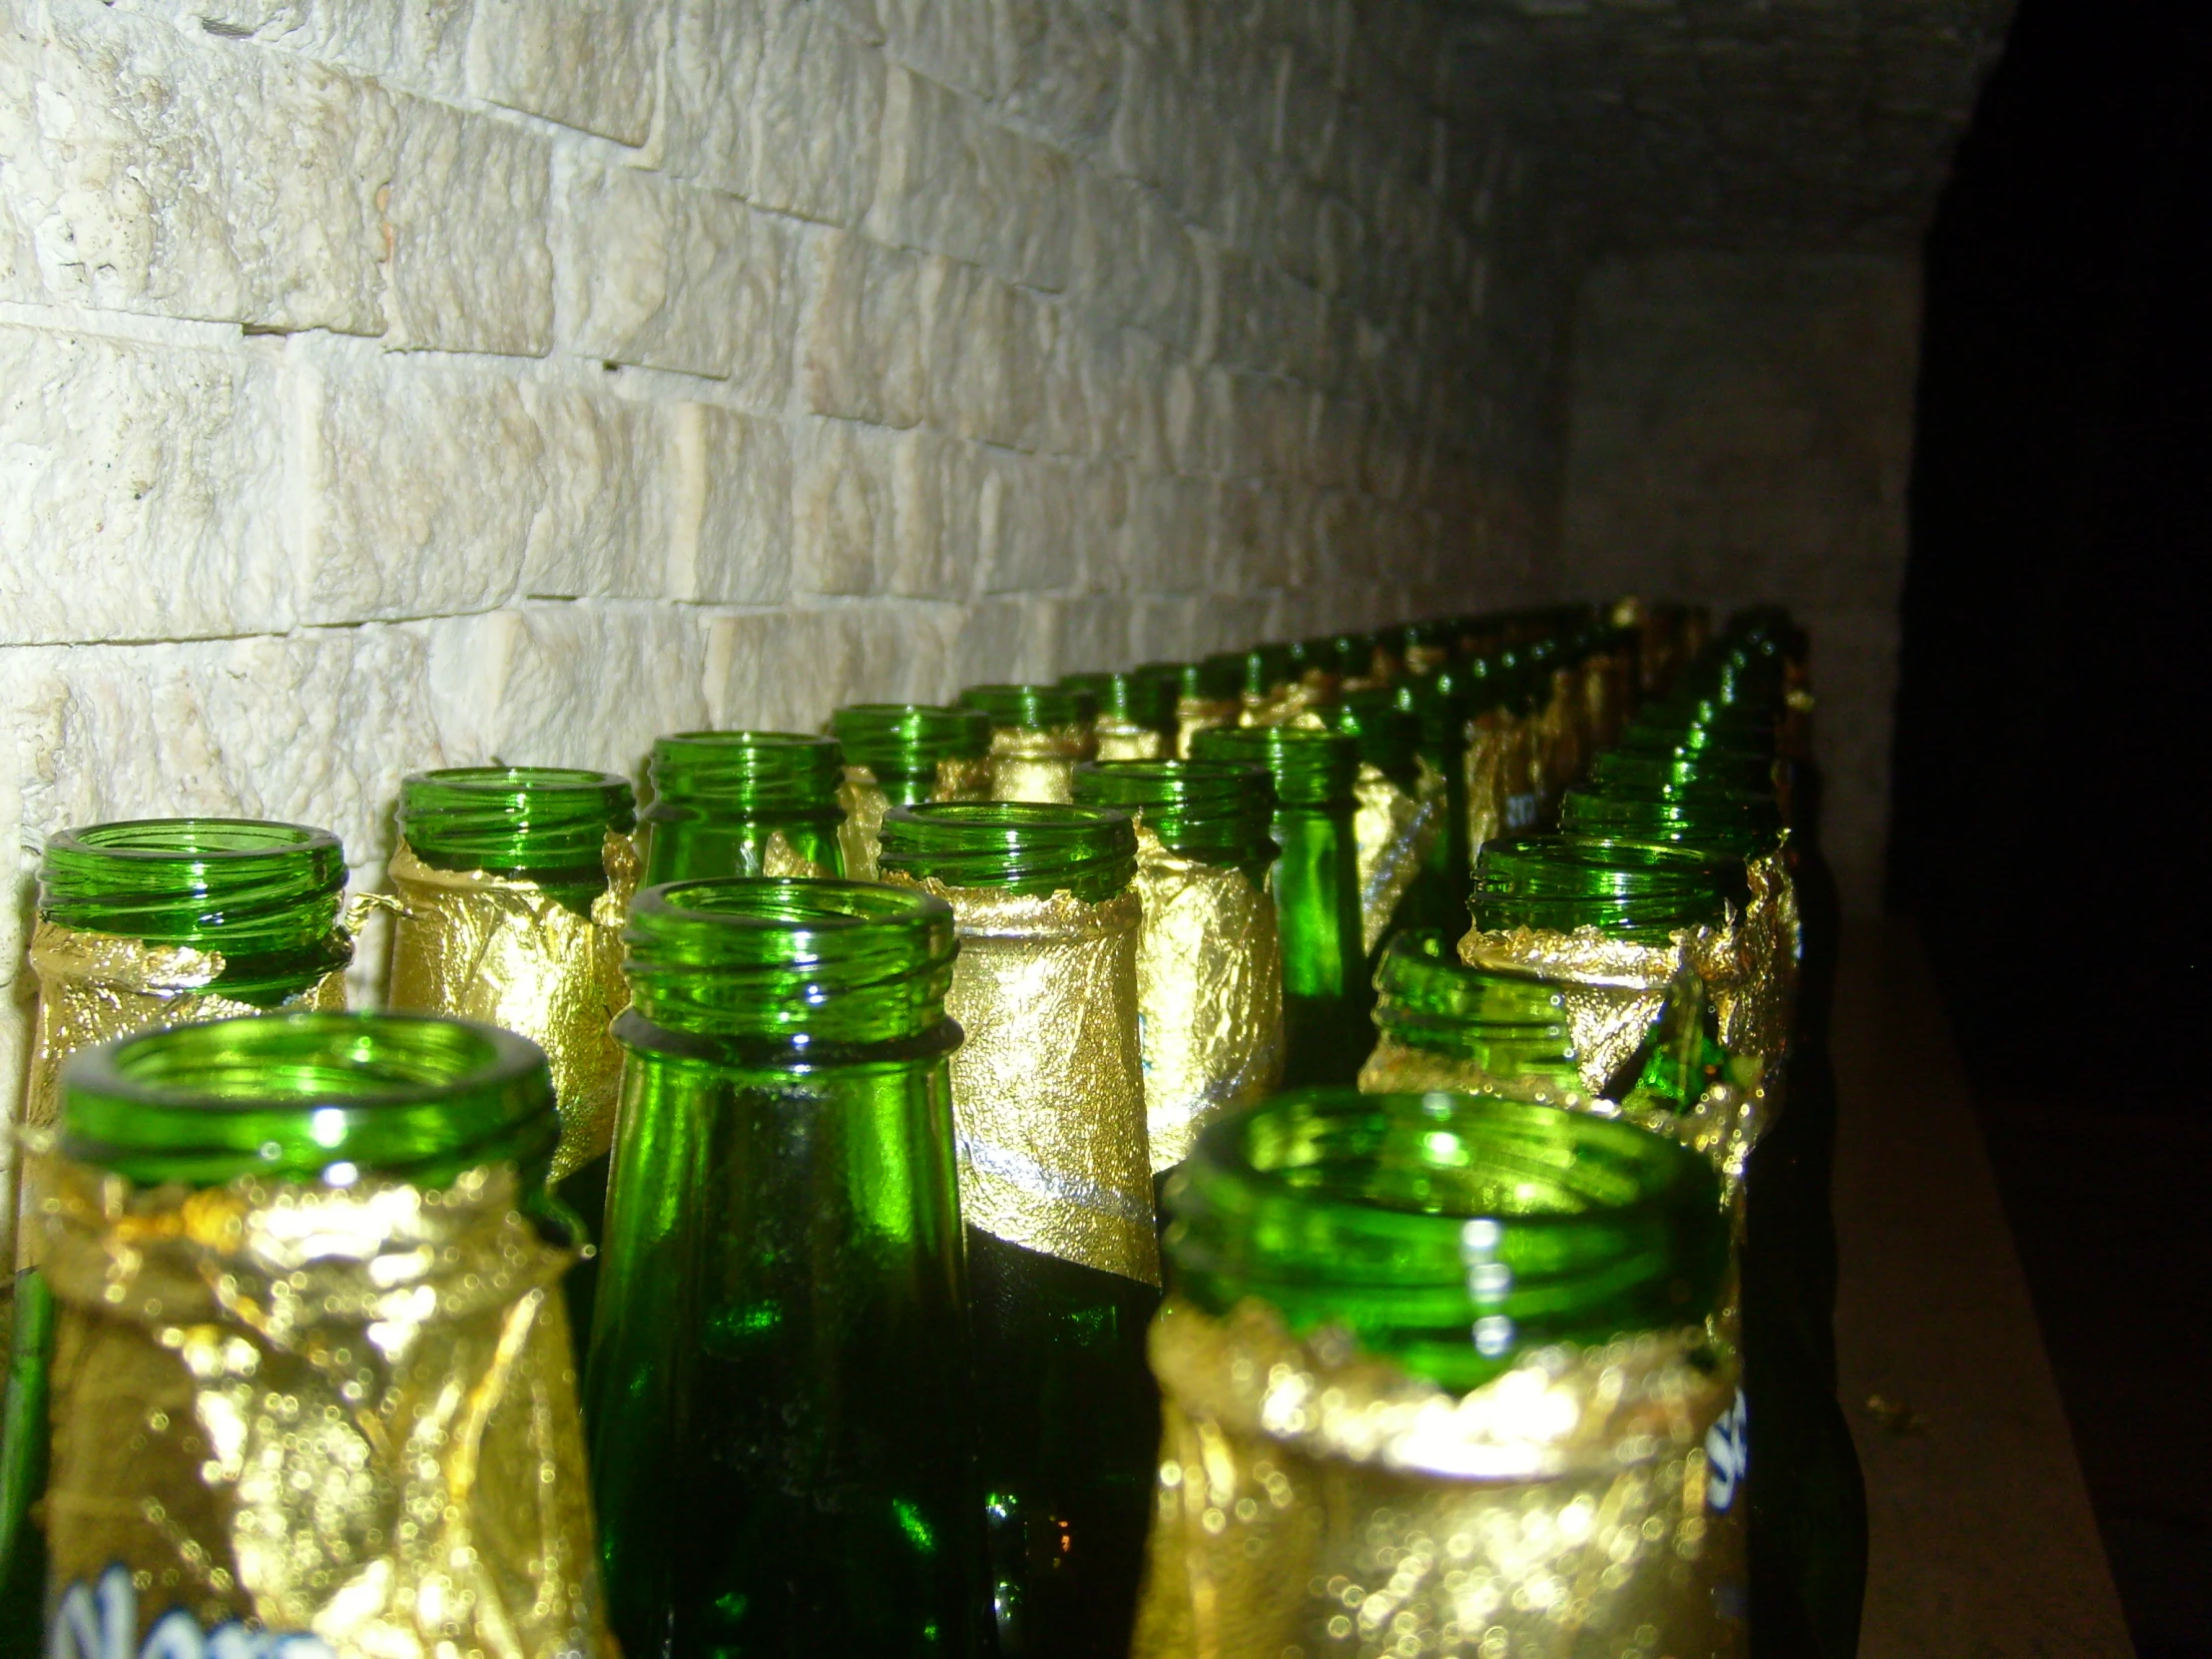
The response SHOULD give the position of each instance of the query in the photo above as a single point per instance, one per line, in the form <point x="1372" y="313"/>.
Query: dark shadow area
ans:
<point x="2051" y="730"/>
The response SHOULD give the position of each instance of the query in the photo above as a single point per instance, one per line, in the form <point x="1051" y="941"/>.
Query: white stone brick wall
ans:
<point x="397" y="383"/>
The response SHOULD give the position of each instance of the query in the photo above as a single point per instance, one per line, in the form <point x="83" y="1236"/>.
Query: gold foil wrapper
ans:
<point x="1031" y="765"/>
<point x="94" y="987"/>
<point x="1485" y="762"/>
<point x="1048" y="1088"/>
<point x="1751" y="965"/>
<point x="1194" y="715"/>
<point x="505" y="951"/>
<point x="1312" y="1500"/>
<point x="1208" y="993"/>
<point x="1121" y="740"/>
<point x="348" y="1414"/>
<point x="1613" y="992"/>
<point x="1290" y="705"/>
<point x="1393" y="829"/>
<point x="861" y="837"/>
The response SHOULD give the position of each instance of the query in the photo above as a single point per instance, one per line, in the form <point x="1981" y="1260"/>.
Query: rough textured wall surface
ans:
<point x="1741" y="431"/>
<point x="396" y="383"/>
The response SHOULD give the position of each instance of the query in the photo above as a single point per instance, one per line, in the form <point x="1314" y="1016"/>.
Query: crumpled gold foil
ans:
<point x="1612" y="992"/>
<point x="779" y="858"/>
<point x="94" y="987"/>
<point x="1123" y="739"/>
<point x="1033" y="765"/>
<point x="860" y="835"/>
<point x="1315" y="1501"/>
<point x="1209" y="994"/>
<point x="346" y="1412"/>
<point x="1751" y="965"/>
<point x="505" y="951"/>
<point x="1288" y="705"/>
<point x="1194" y="715"/>
<point x="1485" y="762"/>
<point x="1048" y="1088"/>
<point x="1393" y="829"/>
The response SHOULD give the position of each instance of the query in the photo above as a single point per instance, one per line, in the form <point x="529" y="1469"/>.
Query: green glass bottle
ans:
<point x="1136" y="713"/>
<point x="311" y="1375"/>
<point x="1437" y="701"/>
<point x="514" y="880"/>
<point x="1056" y="1194"/>
<point x="1205" y="696"/>
<point x="1412" y="1363"/>
<point x="1639" y="893"/>
<point x="1039" y="735"/>
<point x="1325" y="991"/>
<point x="743" y="804"/>
<point x="916" y="752"/>
<point x="1398" y="819"/>
<point x="1210" y="957"/>
<point x="783" y="1450"/>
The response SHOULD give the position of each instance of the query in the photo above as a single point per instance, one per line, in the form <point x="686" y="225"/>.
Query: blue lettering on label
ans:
<point x="102" y="1623"/>
<point x="1726" y="1454"/>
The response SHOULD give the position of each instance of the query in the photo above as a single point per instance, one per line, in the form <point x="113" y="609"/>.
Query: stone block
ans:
<point x="587" y="64"/>
<point x="469" y="269"/>
<point x="844" y="507"/>
<point x="589" y="684"/>
<point x="1058" y="68"/>
<point x="938" y="544"/>
<point x="1163" y="629"/>
<point x="952" y="44"/>
<point x="990" y="348"/>
<point x="713" y="59"/>
<point x="422" y="481"/>
<point x="1092" y="633"/>
<point x="612" y="495"/>
<point x="1101" y="529"/>
<point x="815" y="116"/>
<point x="142" y="490"/>
<point x="1002" y="639"/>
<point x="860" y="339"/>
<point x="1170" y="534"/>
<point x="732" y="543"/>
<point x="1027" y="524"/>
<point x="1125" y="378"/>
<point x="677" y="276"/>
<point x="140" y="176"/>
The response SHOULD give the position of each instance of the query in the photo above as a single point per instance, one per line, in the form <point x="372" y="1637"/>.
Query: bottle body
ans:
<point x="1056" y="1194"/>
<point x="779" y="1383"/>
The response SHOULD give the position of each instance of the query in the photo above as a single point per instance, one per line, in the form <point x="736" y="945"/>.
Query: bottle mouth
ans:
<point x="789" y="960"/>
<point x="328" y="1097"/>
<point x="247" y="884"/>
<point x="902" y="739"/>
<point x="1447" y="1231"/>
<point x="1029" y="708"/>
<point x="1307" y="767"/>
<point x="544" y="821"/>
<point x="1721" y="821"/>
<point x="1206" y="810"/>
<point x="1015" y="846"/>
<point x="747" y="772"/>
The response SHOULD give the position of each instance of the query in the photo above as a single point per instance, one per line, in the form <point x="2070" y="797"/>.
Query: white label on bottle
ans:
<point x="102" y="1622"/>
<point x="1726" y="1454"/>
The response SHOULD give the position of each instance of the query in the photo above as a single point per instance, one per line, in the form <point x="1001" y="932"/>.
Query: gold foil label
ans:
<point x="505" y="951"/>
<point x="782" y="860"/>
<point x="1290" y="705"/>
<point x="860" y="835"/>
<point x="963" y="779"/>
<point x="1752" y="966"/>
<point x="1485" y="762"/>
<point x="1392" y="830"/>
<point x="1194" y="715"/>
<point x="350" y="1414"/>
<point x="1121" y="740"/>
<point x="1030" y="765"/>
<point x="1314" y="1501"/>
<point x="1208" y="993"/>
<point x="94" y="987"/>
<point x="1048" y="1088"/>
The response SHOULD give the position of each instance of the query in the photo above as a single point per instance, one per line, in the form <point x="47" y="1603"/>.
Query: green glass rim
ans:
<point x="310" y="1097"/>
<point x="251" y="884"/>
<point x="1204" y="809"/>
<point x="909" y="739"/>
<point x="547" y="822"/>
<point x="1136" y="698"/>
<point x="1307" y="767"/>
<point x="1720" y="819"/>
<point x="1422" y="983"/>
<point x="742" y="775"/>
<point x="1032" y="708"/>
<point x="1450" y="1230"/>
<point x="797" y="962"/>
<point x="1015" y="846"/>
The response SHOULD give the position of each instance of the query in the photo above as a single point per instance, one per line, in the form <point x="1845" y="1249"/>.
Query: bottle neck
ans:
<point x="902" y="744"/>
<point x="1312" y="770"/>
<point x="1203" y="809"/>
<point x="1636" y="891"/>
<point x="1032" y="708"/>
<point x="1450" y="1233"/>
<point x="310" y="1097"/>
<point x="745" y="776"/>
<point x="1142" y="699"/>
<point x="811" y="966"/>
<point x="241" y="886"/>
<point x="541" y="823"/>
<point x="1013" y="847"/>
